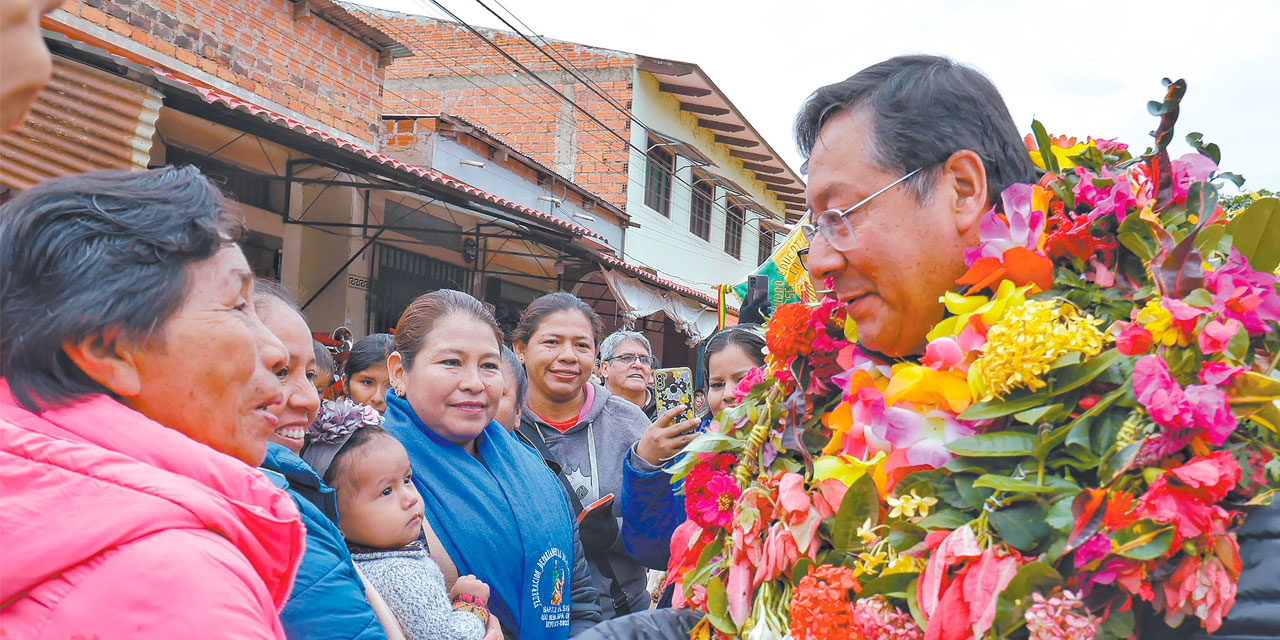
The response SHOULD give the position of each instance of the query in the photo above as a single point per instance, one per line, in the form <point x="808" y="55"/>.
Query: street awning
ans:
<point x="637" y="299"/>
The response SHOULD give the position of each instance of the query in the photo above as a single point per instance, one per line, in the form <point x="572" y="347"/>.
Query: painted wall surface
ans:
<point x="665" y="243"/>
<point x="495" y="178"/>
<point x="311" y="255"/>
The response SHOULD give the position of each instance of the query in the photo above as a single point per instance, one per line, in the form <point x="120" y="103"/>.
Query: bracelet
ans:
<point x="468" y="602"/>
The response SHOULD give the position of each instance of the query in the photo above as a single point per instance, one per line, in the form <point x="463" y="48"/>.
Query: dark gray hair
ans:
<point x="923" y="109"/>
<point x="93" y="252"/>
<point x="369" y="351"/>
<point x="512" y="362"/>
<point x="611" y="343"/>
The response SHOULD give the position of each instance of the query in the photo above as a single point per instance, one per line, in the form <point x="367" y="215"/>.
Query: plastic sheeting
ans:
<point x="637" y="300"/>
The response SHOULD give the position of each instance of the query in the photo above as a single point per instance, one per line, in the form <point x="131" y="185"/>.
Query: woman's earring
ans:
<point x="397" y="390"/>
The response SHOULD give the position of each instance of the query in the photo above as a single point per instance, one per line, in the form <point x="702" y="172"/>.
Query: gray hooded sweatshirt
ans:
<point x="591" y="455"/>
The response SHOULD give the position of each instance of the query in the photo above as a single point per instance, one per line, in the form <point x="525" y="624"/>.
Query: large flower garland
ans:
<point x="1088" y="425"/>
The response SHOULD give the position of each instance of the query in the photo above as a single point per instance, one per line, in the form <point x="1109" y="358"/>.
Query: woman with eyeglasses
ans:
<point x="626" y="365"/>
<point x="589" y="433"/>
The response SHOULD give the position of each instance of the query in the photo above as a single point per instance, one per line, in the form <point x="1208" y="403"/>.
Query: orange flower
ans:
<point x="1019" y="265"/>
<point x="790" y="333"/>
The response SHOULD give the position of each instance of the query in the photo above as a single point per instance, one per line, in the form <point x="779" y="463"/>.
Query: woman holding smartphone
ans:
<point x="589" y="433"/>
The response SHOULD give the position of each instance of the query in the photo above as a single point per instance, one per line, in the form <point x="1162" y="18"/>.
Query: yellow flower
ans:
<point x="848" y="469"/>
<point x="907" y="506"/>
<point x="990" y="310"/>
<point x="927" y="387"/>
<point x="1063" y="154"/>
<point x="1159" y="322"/>
<point x="868" y="561"/>
<point x="1025" y="343"/>
<point x="867" y="532"/>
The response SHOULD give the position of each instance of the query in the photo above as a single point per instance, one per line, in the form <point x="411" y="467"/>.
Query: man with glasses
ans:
<point x="626" y="365"/>
<point x="903" y="159"/>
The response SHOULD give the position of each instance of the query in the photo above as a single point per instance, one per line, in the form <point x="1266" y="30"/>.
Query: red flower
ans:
<point x="790" y="333"/>
<point x="1133" y="340"/>
<point x="822" y="603"/>
<point x="1187" y="496"/>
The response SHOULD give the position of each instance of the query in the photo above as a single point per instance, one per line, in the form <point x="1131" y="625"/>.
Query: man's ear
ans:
<point x="106" y="359"/>
<point x="967" y="189"/>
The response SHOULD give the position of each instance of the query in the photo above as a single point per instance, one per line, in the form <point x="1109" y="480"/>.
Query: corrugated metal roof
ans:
<point x="84" y="120"/>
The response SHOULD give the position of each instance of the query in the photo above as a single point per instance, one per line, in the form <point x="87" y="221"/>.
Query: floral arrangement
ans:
<point x="1087" y="427"/>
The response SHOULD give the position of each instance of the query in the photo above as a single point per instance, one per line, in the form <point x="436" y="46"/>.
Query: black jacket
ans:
<point x="1256" y="614"/>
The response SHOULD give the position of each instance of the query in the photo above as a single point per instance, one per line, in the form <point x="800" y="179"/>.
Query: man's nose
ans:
<point x="824" y="261"/>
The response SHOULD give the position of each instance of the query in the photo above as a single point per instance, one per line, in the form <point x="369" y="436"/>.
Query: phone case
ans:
<point x="674" y="387"/>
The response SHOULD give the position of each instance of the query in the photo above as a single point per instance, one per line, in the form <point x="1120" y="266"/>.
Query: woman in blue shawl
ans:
<point x="495" y="508"/>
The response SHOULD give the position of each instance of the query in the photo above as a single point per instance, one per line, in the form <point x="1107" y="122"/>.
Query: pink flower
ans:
<point x="713" y="506"/>
<point x="1191" y="167"/>
<point x="1201" y="588"/>
<point x="923" y="435"/>
<point x="1219" y="373"/>
<point x="1094" y="548"/>
<point x="958" y="545"/>
<point x="1187" y="496"/>
<point x="753" y="377"/>
<point x="1244" y="294"/>
<point x="1184" y="315"/>
<point x="1216" y="334"/>
<point x="1133" y="339"/>
<point x="1114" y="199"/>
<point x="943" y="353"/>
<point x="1024" y="228"/>
<point x="1061" y="617"/>
<point x="1201" y="407"/>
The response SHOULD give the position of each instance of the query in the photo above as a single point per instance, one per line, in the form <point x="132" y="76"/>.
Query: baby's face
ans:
<point x="378" y="505"/>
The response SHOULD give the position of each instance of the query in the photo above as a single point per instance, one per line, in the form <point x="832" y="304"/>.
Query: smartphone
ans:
<point x="674" y="387"/>
<point x="603" y="505"/>
<point x="757" y="287"/>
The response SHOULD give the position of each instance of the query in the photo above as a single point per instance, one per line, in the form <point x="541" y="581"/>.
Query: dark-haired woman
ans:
<point x="589" y="433"/>
<point x="328" y="598"/>
<point x="651" y="508"/>
<point x="492" y="507"/>
<point x="364" y="374"/>
<point x="131" y="506"/>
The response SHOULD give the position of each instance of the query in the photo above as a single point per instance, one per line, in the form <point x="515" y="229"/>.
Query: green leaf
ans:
<point x="1136" y="235"/>
<point x="1045" y="145"/>
<point x="1034" y="416"/>
<point x="996" y="444"/>
<point x="997" y="408"/>
<point x="1022" y="526"/>
<point x="718" y="607"/>
<point x="800" y="569"/>
<point x="904" y="535"/>
<point x="1119" y="624"/>
<point x="1069" y="378"/>
<point x="893" y="585"/>
<point x="913" y="605"/>
<point x="1117" y="462"/>
<point x="860" y="503"/>
<point x="1053" y="484"/>
<point x="1199" y="298"/>
<point x="1202" y="199"/>
<point x="974" y="497"/>
<point x="1209" y="149"/>
<point x="1060" y="516"/>
<point x="944" y="519"/>
<point x="1143" y="540"/>
<point x="1210" y="236"/>
<point x="1033" y="577"/>
<point x="1255" y="232"/>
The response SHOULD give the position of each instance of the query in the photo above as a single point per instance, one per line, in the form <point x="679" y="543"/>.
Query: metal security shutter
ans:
<point x="401" y="276"/>
<point x="85" y="120"/>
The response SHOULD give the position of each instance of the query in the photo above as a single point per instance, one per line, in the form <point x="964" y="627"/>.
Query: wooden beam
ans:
<point x="774" y="179"/>
<point x="704" y="110"/>
<point x="682" y="90"/>
<point x="301" y="9"/>
<point x="747" y="155"/>
<point x="737" y="142"/>
<point x="781" y="189"/>
<point x="761" y="168"/>
<point x="792" y="199"/>
<point x="716" y="125"/>
<point x="663" y="67"/>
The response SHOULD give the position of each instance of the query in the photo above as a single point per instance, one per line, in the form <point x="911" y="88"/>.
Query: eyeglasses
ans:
<point x="834" y="223"/>
<point x="627" y="359"/>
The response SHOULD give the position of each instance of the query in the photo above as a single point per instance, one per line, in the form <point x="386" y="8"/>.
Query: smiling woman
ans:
<point x="117" y="428"/>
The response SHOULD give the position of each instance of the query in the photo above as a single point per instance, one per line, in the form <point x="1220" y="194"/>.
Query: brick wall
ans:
<point x="454" y="72"/>
<point x="308" y="65"/>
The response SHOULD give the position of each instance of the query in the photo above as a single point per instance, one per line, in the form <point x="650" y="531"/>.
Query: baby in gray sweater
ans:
<point x="381" y="519"/>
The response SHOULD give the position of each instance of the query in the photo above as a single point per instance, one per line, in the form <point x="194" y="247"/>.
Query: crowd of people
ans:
<point x="178" y="464"/>
<point x="169" y="393"/>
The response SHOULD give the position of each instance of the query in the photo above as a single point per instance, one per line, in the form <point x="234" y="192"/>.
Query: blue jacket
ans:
<point x="328" y="598"/>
